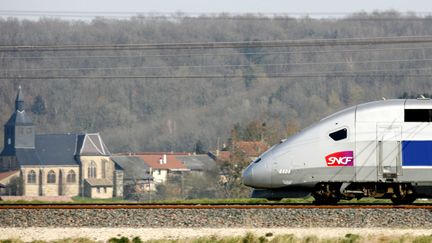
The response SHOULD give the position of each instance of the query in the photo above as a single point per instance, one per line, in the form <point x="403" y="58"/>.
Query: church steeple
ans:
<point x="19" y="101"/>
<point x="19" y="131"/>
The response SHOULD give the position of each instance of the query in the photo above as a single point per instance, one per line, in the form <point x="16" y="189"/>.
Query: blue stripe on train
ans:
<point x="417" y="153"/>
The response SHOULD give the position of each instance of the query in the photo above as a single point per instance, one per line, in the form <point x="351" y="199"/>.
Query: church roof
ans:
<point x="57" y="149"/>
<point x="51" y="149"/>
<point x="92" y="144"/>
<point x="28" y="157"/>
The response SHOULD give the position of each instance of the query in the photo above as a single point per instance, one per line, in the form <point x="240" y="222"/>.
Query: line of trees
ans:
<point x="169" y="114"/>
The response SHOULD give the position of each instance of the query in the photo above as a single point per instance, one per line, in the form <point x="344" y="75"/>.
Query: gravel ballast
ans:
<point x="217" y="218"/>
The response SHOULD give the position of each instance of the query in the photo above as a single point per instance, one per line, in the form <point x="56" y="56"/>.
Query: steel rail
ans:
<point x="210" y="206"/>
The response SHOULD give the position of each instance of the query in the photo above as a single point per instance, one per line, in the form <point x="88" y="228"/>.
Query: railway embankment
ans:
<point x="220" y="218"/>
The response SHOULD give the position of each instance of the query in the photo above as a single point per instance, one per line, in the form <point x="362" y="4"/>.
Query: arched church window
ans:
<point x="71" y="177"/>
<point x="92" y="170"/>
<point x="51" y="178"/>
<point x="31" y="177"/>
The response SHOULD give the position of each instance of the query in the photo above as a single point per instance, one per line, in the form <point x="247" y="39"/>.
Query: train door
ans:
<point x="365" y="157"/>
<point x="389" y="151"/>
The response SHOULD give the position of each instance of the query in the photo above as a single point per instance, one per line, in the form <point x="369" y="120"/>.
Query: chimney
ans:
<point x="164" y="159"/>
<point x="161" y="161"/>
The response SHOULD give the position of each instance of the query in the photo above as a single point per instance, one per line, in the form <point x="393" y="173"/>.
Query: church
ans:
<point x="56" y="164"/>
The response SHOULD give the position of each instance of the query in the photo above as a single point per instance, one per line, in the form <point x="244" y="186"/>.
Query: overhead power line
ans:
<point x="367" y="73"/>
<point x="220" y="76"/>
<point x="362" y="50"/>
<point x="217" y="66"/>
<point x="222" y="45"/>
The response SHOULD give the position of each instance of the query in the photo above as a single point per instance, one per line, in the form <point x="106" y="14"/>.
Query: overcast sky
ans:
<point x="217" y="6"/>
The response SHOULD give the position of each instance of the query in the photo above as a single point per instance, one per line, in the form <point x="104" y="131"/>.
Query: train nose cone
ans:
<point x="257" y="175"/>
<point x="248" y="176"/>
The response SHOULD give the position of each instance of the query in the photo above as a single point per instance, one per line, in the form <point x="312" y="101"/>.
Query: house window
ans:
<point x="71" y="177"/>
<point x="51" y="178"/>
<point x="98" y="189"/>
<point x="92" y="170"/>
<point x="339" y="134"/>
<point x="105" y="189"/>
<point x="31" y="177"/>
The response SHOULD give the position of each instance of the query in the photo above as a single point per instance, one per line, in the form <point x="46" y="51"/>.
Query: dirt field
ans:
<point x="103" y="234"/>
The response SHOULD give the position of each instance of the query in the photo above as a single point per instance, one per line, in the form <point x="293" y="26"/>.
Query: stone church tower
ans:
<point x="19" y="133"/>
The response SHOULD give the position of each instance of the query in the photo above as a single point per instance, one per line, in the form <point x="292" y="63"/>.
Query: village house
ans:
<point x="198" y="163"/>
<point x="163" y="165"/>
<point x="8" y="182"/>
<point x="55" y="164"/>
<point x="137" y="178"/>
<point x="250" y="149"/>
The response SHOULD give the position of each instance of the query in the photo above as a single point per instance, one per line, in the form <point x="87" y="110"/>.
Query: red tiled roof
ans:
<point x="4" y="175"/>
<point x="154" y="160"/>
<point x="224" y="155"/>
<point x="252" y="148"/>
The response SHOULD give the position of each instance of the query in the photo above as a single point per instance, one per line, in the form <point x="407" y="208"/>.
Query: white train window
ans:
<point x="339" y="134"/>
<point x="418" y="115"/>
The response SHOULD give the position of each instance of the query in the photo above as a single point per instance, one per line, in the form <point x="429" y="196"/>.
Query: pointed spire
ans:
<point x="19" y="102"/>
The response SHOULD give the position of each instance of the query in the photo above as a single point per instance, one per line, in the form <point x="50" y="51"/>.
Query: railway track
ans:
<point x="221" y="215"/>
<point x="212" y="206"/>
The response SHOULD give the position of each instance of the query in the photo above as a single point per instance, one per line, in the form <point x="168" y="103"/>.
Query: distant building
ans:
<point x="251" y="149"/>
<point x="98" y="188"/>
<point x="55" y="164"/>
<point x="199" y="163"/>
<point x="6" y="182"/>
<point x="220" y="156"/>
<point x="163" y="164"/>
<point x="137" y="178"/>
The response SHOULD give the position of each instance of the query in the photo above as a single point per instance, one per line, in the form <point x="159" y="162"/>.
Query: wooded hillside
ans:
<point x="173" y="114"/>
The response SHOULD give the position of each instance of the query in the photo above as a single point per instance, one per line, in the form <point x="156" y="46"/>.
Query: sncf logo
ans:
<point x="342" y="158"/>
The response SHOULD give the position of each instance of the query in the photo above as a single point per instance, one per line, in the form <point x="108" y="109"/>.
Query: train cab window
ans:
<point x="339" y="134"/>
<point x="418" y="115"/>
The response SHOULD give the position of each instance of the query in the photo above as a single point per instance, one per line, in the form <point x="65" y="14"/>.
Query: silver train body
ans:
<point x="381" y="149"/>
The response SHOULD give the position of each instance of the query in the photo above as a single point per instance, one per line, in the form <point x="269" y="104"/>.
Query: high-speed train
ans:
<point x="380" y="149"/>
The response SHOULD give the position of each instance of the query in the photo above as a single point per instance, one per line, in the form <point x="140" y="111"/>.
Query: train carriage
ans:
<point x="380" y="149"/>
